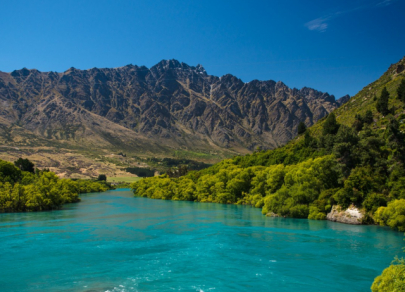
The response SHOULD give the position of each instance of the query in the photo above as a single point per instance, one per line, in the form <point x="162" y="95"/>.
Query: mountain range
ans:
<point x="154" y="110"/>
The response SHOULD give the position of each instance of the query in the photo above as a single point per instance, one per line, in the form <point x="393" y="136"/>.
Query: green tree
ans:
<point x="368" y="117"/>
<point x="359" y="184"/>
<point x="102" y="177"/>
<point x="308" y="140"/>
<point x="358" y="123"/>
<point x="401" y="91"/>
<point x="24" y="165"/>
<point x="392" y="278"/>
<point x="395" y="140"/>
<point x="330" y="126"/>
<point x="22" y="191"/>
<point x="382" y="102"/>
<point x="393" y="215"/>
<point x="301" y="128"/>
<point x="9" y="173"/>
<point x="316" y="214"/>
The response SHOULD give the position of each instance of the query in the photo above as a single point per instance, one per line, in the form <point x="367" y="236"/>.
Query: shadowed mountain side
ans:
<point x="171" y="105"/>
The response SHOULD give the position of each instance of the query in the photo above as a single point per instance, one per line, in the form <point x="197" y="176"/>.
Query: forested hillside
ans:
<point x="355" y="156"/>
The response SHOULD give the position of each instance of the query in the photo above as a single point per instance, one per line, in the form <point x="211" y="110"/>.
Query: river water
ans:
<point x="112" y="241"/>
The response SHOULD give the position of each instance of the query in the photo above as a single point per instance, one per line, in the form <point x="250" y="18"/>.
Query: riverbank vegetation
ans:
<point x="354" y="156"/>
<point x="392" y="278"/>
<point x="39" y="190"/>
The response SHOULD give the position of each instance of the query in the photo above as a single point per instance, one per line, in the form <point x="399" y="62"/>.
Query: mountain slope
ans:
<point x="169" y="106"/>
<point x="356" y="161"/>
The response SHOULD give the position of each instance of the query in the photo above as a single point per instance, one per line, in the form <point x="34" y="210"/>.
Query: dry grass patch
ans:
<point x="125" y="179"/>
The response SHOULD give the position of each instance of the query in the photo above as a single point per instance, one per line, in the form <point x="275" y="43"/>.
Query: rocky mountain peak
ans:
<point x="168" y="64"/>
<point x="343" y="99"/>
<point x="172" y="104"/>
<point x="200" y="69"/>
<point x="24" y="72"/>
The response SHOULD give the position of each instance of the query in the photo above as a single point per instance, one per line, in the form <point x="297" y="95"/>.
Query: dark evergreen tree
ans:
<point x="382" y="102"/>
<point x="401" y="91"/>
<point x="395" y="139"/>
<point x="358" y="123"/>
<point x="308" y="140"/>
<point x="9" y="173"/>
<point x="102" y="177"/>
<point x="25" y="165"/>
<point x="368" y="117"/>
<point x="301" y="128"/>
<point x="330" y="126"/>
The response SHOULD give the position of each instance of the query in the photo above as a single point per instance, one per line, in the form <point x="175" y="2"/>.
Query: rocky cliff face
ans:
<point x="169" y="105"/>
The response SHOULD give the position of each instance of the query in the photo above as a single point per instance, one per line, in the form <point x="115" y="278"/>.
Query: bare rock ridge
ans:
<point x="171" y="105"/>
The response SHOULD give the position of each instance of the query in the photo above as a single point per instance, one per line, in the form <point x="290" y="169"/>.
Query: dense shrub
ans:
<point x="26" y="191"/>
<point x="393" y="215"/>
<point x="392" y="278"/>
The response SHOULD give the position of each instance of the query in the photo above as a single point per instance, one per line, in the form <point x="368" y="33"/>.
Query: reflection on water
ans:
<point x="114" y="242"/>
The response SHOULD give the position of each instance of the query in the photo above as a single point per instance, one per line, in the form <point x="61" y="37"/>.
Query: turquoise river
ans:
<point x="113" y="241"/>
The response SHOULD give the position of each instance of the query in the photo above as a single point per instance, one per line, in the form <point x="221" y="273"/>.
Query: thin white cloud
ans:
<point x="385" y="3"/>
<point x="320" y="24"/>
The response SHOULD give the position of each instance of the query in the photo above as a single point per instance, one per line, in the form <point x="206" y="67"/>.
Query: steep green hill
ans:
<point x="365" y="99"/>
<point x="355" y="156"/>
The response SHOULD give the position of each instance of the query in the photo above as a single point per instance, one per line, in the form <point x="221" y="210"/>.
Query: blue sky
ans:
<point x="333" y="46"/>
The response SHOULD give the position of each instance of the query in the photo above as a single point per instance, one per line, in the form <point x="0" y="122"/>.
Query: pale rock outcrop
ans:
<point x="351" y="215"/>
<point x="271" y="214"/>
